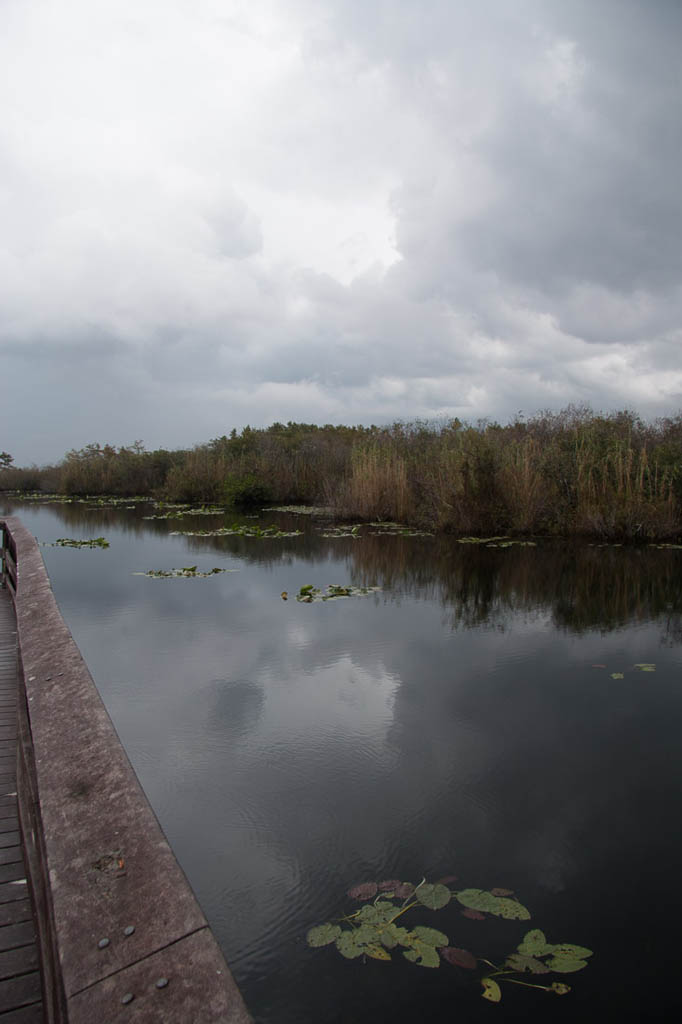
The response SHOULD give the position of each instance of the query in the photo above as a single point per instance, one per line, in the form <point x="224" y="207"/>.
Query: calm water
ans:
<point x="452" y="723"/>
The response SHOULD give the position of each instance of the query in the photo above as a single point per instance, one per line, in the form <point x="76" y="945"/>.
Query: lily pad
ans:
<point x="431" y="936"/>
<point x="535" y="944"/>
<point x="459" y="957"/>
<point x="377" y="953"/>
<point x="323" y="935"/>
<point x="364" y="891"/>
<point x="378" y="913"/>
<point x="389" y="886"/>
<point x="491" y="990"/>
<point x="423" y="955"/>
<point x="559" y="989"/>
<point x="502" y="892"/>
<point x="617" y="675"/>
<point x="519" y="962"/>
<point x="563" y="965"/>
<point x="404" y="890"/>
<point x="433" y="896"/>
<point x="511" y="910"/>
<point x="477" y="899"/>
<point x="571" y="952"/>
<point x="348" y="945"/>
<point x="393" y="935"/>
<point x="473" y="915"/>
<point x="646" y="667"/>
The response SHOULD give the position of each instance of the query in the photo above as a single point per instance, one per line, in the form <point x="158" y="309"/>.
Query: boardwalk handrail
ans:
<point x="116" y="916"/>
<point x="8" y="563"/>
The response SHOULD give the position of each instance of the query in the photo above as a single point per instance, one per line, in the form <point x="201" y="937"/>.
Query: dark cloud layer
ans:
<point x="237" y="213"/>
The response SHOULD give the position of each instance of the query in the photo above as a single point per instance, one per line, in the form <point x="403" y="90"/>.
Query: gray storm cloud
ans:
<point x="222" y="213"/>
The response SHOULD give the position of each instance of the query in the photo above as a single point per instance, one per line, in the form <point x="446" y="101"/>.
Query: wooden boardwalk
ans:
<point x="20" y="988"/>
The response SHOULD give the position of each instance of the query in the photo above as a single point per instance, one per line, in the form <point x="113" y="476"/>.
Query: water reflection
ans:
<point x="455" y="721"/>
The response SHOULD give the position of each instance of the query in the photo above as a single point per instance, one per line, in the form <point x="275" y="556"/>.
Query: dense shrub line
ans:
<point x="612" y="476"/>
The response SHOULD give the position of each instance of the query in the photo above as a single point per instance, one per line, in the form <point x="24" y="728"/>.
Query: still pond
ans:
<point x="498" y="725"/>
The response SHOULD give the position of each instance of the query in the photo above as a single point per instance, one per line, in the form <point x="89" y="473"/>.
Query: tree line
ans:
<point x="574" y="472"/>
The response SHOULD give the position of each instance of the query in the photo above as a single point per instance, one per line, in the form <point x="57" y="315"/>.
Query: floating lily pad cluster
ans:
<point x="643" y="666"/>
<point x="373" y="931"/>
<point x="387" y="529"/>
<point x="378" y="529"/>
<point x="69" y="542"/>
<point x="497" y="542"/>
<point x="239" y="530"/>
<point x="180" y="511"/>
<point x="308" y="593"/>
<point x="188" y="572"/>
<point x="302" y="510"/>
<point x="343" y="531"/>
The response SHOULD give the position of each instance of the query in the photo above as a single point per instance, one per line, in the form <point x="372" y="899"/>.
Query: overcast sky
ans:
<point x="220" y="212"/>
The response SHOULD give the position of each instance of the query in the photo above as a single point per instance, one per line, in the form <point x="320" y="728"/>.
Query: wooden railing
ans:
<point x="9" y="560"/>
<point x="121" y="935"/>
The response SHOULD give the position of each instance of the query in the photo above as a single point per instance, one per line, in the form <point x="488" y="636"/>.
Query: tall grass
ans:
<point x="570" y="473"/>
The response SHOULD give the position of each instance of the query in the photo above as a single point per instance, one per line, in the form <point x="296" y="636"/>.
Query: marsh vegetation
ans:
<point x="612" y="477"/>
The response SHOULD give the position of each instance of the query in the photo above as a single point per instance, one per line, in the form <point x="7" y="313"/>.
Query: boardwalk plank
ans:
<point x="18" y="961"/>
<point x="26" y="1015"/>
<point x="14" y="913"/>
<point x="14" y="935"/>
<point x="16" y="992"/>
<point x="11" y="855"/>
<point x="10" y="891"/>
<point x="12" y="872"/>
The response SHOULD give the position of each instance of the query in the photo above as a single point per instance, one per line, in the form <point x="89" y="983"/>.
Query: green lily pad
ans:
<point x="563" y="965"/>
<point x="535" y="944"/>
<point x="646" y="667"/>
<point x="478" y="899"/>
<point x="511" y="910"/>
<point x="433" y="896"/>
<point x="377" y="953"/>
<point x="348" y="945"/>
<point x="423" y="955"/>
<point x="571" y="952"/>
<point x="617" y="675"/>
<point x="559" y="989"/>
<point x="323" y="935"/>
<point x="519" y="962"/>
<point x="377" y="913"/>
<point x="491" y="990"/>
<point x="393" y="935"/>
<point x="431" y="936"/>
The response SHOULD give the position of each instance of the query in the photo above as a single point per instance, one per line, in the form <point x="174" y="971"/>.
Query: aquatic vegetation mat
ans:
<point x="308" y="593"/>
<point x="240" y="530"/>
<point x="642" y="666"/>
<point x="497" y="542"/>
<point x="180" y="511"/>
<point x="372" y="931"/>
<point x="301" y="510"/>
<point x="188" y="572"/>
<point x="69" y="542"/>
<point x="376" y="529"/>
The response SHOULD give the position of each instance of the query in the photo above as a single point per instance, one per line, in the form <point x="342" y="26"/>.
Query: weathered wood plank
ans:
<point x="18" y="961"/>
<point x="21" y="991"/>
<point x="14" y="935"/>
<point x="10" y="891"/>
<point x="12" y="872"/>
<point x="14" y="913"/>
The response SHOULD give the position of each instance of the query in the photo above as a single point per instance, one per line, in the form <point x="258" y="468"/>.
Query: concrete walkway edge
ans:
<point x="117" y="917"/>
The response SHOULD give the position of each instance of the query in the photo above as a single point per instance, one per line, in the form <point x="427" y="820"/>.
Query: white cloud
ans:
<point x="236" y="212"/>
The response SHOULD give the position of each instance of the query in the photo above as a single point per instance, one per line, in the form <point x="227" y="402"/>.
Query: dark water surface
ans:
<point x="452" y="723"/>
